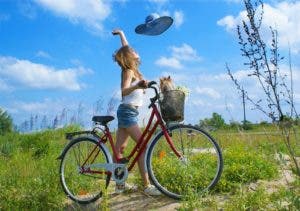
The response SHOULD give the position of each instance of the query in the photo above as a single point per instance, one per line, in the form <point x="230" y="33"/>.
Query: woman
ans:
<point x="132" y="85"/>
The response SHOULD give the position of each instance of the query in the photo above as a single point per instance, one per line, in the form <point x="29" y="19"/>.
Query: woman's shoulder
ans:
<point x="131" y="73"/>
<point x="128" y="72"/>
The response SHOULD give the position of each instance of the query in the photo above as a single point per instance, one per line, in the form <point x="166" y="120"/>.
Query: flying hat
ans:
<point x="154" y="25"/>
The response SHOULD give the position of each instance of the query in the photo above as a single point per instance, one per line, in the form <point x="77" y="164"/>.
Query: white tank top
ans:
<point x="135" y="98"/>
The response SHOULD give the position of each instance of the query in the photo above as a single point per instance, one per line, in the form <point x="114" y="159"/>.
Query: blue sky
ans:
<point x="56" y="55"/>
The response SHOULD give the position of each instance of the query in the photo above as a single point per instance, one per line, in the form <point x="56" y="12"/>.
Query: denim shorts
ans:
<point x="127" y="116"/>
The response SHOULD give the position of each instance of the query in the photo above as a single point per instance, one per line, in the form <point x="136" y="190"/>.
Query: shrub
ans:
<point x="243" y="165"/>
<point x="216" y="121"/>
<point x="6" y="123"/>
<point x="246" y="200"/>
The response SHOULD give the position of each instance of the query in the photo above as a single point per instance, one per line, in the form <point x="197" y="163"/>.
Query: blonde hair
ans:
<point x="127" y="61"/>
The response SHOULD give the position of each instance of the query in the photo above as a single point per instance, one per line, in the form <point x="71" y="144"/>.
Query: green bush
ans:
<point x="8" y="144"/>
<point x="244" y="165"/>
<point x="245" y="200"/>
<point x="216" y="122"/>
<point x="6" y="123"/>
<point x="285" y="198"/>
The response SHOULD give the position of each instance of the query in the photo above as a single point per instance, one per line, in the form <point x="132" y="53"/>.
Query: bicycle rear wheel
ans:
<point x="83" y="186"/>
<point x="198" y="169"/>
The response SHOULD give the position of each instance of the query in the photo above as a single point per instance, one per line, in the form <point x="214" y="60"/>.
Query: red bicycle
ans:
<point x="179" y="158"/>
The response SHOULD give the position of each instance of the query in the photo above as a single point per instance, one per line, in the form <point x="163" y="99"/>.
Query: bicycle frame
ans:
<point x="139" y="147"/>
<point x="148" y="132"/>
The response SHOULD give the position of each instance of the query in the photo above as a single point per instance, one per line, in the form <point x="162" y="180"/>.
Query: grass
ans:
<point x="29" y="178"/>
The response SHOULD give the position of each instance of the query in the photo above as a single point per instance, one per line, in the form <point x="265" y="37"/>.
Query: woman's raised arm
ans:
<point x="119" y="32"/>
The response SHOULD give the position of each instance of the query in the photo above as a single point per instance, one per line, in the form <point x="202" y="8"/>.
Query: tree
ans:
<point x="215" y="122"/>
<point x="263" y="62"/>
<point x="6" y="123"/>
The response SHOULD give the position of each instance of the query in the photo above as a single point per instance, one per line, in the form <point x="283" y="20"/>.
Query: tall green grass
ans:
<point x="29" y="170"/>
<point x="29" y="178"/>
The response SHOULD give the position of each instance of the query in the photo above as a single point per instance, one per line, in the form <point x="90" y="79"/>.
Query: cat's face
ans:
<point x="166" y="84"/>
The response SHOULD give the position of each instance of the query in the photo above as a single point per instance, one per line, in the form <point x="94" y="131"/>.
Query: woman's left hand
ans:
<point x="143" y="84"/>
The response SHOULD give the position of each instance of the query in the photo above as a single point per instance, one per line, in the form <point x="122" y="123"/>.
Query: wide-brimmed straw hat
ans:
<point x="154" y="25"/>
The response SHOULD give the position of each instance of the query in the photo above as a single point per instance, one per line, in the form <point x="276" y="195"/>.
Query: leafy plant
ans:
<point x="6" y="123"/>
<point x="248" y="200"/>
<point x="243" y="165"/>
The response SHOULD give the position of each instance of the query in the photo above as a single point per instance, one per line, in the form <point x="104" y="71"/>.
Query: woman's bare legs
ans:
<point x="122" y="139"/>
<point x="135" y="133"/>
<point x="121" y="142"/>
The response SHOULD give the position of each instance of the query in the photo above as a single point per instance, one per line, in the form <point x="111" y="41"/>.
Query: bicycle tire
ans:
<point x="83" y="188"/>
<point x="198" y="171"/>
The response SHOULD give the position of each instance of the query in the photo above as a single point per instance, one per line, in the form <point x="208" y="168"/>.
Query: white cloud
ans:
<point x="4" y="86"/>
<point x="88" y="12"/>
<point x="169" y="62"/>
<point x="178" y="18"/>
<point x="241" y="75"/>
<point x="45" y="106"/>
<point x="210" y="92"/>
<point x="40" y="76"/>
<point x="283" y="16"/>
<point x="48" y="107"/>
<point x="27" y="9"/>
<point x="229" y="22"/>
<point x="41" y="107"/>
<point x="178" y="54"/>
<point x="198" y="102"/>
<point x="185" y="53"/>
<point x="43" y="54"/>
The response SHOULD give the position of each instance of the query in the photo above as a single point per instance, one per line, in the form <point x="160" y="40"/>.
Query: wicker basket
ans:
<point x="172" y="106"/>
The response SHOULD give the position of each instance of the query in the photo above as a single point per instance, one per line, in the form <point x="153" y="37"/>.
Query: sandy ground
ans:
<point x="129" y="201"/>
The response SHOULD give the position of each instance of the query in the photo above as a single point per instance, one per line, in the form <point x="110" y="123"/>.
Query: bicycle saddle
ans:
<point x="103" y="120"/>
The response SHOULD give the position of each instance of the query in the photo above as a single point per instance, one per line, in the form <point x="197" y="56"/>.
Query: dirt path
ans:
<point x="140" y="201"/>
<point x="129" y="202"/>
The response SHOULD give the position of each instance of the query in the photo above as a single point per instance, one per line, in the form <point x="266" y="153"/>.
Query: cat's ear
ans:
<point x="169" y="77"/>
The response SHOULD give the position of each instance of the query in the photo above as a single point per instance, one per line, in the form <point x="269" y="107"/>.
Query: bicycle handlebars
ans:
<point x="150" y="85"/>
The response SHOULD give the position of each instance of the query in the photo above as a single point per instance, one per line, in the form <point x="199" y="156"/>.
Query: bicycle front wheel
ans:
<point x="81" y="182"/>
<point x="195" y="167"/>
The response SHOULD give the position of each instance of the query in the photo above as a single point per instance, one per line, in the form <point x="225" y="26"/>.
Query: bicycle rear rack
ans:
<point x="70" y="136"/>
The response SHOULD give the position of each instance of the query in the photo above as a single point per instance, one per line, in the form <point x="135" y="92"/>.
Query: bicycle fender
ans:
<point x="93" y="138"/>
